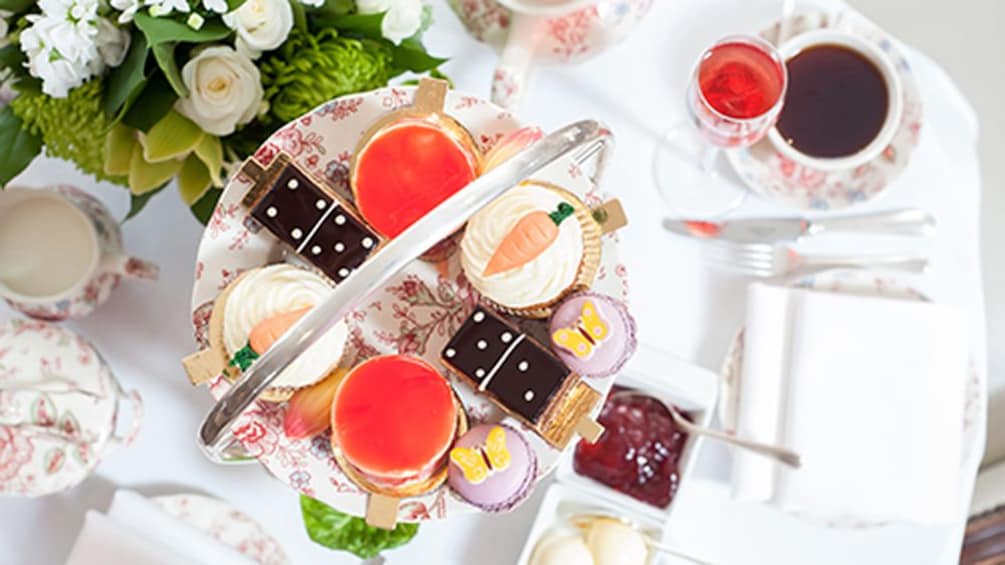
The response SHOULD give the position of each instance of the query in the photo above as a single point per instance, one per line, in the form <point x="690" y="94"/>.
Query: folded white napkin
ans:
<point x="869" y="391"/>
<point x="137" y="531"/>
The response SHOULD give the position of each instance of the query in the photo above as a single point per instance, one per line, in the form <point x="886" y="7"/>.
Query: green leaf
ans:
<point x="144" y="177"/>
<point x="335" y="530"/>
<point x="203" y="209"/>
<point x="18" y="146"/>
<point x="174" y="137"/>
<point x="11" y="57"/>
<point x="164" y="55"/>
<point x="358" y="24"/>
<point x="411" y="58"/>
<point x="16" y="6"/>
<point x="299" y="16"/>
<point x="210" y="152"/>
<point x="152" y="104"/>
<point x="167" y="30"/>
<point x="138" y="202"/>
<point x="234" y="4"/>
<point x="119" y="145"/>
<point x="193" y="180"/>
<point x="127" y="80"/>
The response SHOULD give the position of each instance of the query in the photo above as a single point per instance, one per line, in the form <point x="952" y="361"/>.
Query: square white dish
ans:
<point x="672" y="381"/>
<point x="561" y="501"/>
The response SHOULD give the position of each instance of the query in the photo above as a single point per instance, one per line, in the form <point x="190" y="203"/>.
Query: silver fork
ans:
<point x="782" y="260"/>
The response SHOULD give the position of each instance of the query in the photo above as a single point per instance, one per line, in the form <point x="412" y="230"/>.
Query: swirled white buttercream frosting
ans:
<point x="273" y="290"/>
<point x="538" y="281"/>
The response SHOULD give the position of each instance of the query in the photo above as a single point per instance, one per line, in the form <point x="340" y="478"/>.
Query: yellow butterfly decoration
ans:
<point x="590" y="330"/>
<point x="479" y="462"/>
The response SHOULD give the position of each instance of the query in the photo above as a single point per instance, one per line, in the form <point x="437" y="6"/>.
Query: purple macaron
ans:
<point x="493" y="470"/>
<point x="593" y="334"/>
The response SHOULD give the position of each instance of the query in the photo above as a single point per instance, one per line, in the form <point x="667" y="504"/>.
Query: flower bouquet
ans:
<point x="143" y="92"/>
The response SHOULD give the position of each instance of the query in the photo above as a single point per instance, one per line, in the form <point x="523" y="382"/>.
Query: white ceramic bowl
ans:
<point x="895" y="110"/>
<point x="690" y="388"/>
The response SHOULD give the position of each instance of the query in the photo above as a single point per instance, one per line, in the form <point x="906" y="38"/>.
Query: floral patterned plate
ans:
<point x="862" y="283"/>
<point x="416" y="313"/>
<point x="226" y="525"/>
<point x="770" y="174"/>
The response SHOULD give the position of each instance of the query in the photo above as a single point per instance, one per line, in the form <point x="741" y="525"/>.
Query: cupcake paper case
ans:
<point x="531" y="247"/>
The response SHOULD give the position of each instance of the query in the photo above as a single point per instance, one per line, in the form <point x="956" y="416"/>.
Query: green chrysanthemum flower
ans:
<point x="72" y="128"/>
<point x="308" y="71"/>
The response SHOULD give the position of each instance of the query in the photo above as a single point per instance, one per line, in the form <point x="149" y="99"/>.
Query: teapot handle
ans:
<point x="516" y="62"/>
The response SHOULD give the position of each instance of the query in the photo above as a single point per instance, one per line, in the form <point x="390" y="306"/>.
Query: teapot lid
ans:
<point x="58" y="402"/>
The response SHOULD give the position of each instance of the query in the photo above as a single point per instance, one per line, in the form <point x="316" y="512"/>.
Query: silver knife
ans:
<point x="770" y="230"/>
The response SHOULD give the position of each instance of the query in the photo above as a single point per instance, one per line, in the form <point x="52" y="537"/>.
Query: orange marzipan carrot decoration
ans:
<point x="530" y="237"/>
<point x="269" y="330"/>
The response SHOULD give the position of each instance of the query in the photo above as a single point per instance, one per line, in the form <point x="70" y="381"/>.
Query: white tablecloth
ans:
<point x="683" y="307"/>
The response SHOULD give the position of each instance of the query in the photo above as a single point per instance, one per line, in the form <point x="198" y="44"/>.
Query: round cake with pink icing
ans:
<point x="492" y="467"/>
<point x="593" y="334"/>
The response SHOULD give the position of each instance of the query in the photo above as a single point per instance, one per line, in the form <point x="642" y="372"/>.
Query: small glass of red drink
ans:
<point x="734" y="99"/>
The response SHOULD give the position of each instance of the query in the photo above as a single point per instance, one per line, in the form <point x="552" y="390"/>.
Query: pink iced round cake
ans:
<point x="593" y="334"/>
<point x="492" y="467"/>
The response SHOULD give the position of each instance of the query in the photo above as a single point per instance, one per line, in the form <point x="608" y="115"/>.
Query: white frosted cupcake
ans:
<point x="261" y="305"/>
<point x="531" y="247"/>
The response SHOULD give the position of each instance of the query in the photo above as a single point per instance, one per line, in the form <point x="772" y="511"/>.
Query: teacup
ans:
<point x="61" y="252"/>
<point x="894" y="91"/>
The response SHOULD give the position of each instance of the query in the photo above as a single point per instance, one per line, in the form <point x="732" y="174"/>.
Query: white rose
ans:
<point x="402" y="20"/>
<point x="112" y="42"/>
<point x="261" y="25"/>
<point x="225" y="90"/>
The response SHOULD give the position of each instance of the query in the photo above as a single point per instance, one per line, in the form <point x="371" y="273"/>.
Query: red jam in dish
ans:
<point x="406" y="171"/>
<point x="394" y="415"/>
<point x="638" y="453"/>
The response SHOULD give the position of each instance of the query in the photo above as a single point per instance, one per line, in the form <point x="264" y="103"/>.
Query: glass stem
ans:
<point x="709" y="157"/>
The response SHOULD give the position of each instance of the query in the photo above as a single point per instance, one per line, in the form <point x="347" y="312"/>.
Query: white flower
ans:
<point x="128" y="9"/>
<point x="160" y="8"/>
<point x="261" y="25"/>
<point x="402" y="20"/>
<point x="218" y="6"/>
<point x="225" y="90"/>
<point x="59" y="74"/>
<point x="313" y="3"/>
<point x="61" y="45"/>
<point x="112" y="43"/>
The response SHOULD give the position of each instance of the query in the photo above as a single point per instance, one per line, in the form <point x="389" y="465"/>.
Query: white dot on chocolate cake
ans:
<point x="482" y="344"/>
<point x="450" y="352"/>
<point x="523" y="366"/>
<point x="479" y="316"/>
<point x="293" y="184"/>
<point x="316" y="250"/>
<point x="528" y="396"/>
<point x="271" y="212"/>
<point x="340" y="219"/>
<point x="367" y="243"/>
<point x="506" y="337"/>
<point x="479" y="373"/>
<point x="343" y="272"/>
<point x="339" y="247"/>
<point x="321" y="204"/>
<point x="296" y="233"/>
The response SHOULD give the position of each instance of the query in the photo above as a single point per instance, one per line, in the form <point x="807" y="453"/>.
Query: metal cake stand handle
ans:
<point x="583" y="140"/>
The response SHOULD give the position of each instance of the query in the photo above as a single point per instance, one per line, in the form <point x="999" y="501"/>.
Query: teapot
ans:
<point x="552" y="32"/>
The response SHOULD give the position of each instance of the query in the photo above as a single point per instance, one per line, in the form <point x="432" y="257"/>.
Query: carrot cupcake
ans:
<point x="260" y="306"/>
<point x="530" y="248"/>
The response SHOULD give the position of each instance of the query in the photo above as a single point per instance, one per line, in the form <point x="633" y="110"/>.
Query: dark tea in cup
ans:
<point x="836" y="104"/>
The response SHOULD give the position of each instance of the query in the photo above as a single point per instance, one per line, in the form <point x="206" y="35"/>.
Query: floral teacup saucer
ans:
<point x="768" y="173"/>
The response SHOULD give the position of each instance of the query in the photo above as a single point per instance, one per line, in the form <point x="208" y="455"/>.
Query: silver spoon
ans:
<point x="774" y="452"/>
